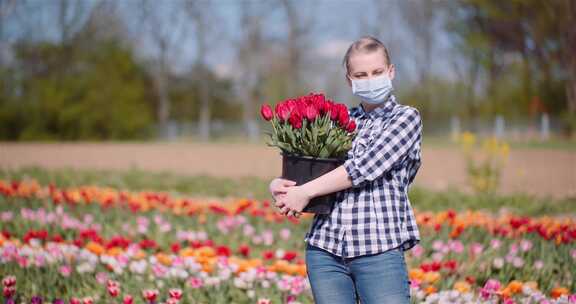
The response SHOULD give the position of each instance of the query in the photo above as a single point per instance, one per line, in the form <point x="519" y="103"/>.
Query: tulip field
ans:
<point x="100" y="244"/>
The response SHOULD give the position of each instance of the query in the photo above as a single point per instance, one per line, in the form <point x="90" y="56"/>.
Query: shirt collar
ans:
<point x="381" y="110"/>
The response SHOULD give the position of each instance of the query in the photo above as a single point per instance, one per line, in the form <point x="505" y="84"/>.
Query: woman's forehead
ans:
<point x="363" y="62"/>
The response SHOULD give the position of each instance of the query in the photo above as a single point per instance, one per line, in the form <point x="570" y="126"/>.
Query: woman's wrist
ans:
<point x="309" y="190"/>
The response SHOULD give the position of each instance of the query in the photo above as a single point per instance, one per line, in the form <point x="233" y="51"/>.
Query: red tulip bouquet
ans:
<point x="314" y="135"/>
<point x="311" y="126"/>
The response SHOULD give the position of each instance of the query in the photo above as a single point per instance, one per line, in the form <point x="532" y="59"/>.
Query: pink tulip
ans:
<point x="495" y="243"/>
<point x="172" y="301"/>
<point x="102" y="277"/>
<point x="525" y="245"/>
<point x="492" y="284"/>
<point x="417" y="251"/>
<point x="456" y="246"/>
<point x="65" y="270"/>
<point x="285" y="233"/>
<point x="538" y="264"/>
<point x="75" y="301"/>
<point x="87" y="300"/>
<point x="175" y="293"/>
<point x="476" y="248"/>
<point x="150" y="294"/>
<point x="9" y="281"/>
<point x="195" y="282"/>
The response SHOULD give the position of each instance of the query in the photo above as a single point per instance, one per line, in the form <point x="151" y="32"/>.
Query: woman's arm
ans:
<point x="297" y="197"/>
<point x="333" y="181"/>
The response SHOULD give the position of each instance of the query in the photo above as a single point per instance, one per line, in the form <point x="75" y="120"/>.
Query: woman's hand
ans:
<point x="293" y="200"/>
<point x="278" y="188"/>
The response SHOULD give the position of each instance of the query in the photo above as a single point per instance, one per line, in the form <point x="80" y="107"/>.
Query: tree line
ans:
<point x="105" y="69"/>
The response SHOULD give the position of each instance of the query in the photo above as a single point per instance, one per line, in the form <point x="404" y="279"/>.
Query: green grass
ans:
<point x="257" y="188"/>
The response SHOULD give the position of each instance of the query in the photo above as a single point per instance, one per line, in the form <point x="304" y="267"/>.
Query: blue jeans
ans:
<point x="378" y="278"/>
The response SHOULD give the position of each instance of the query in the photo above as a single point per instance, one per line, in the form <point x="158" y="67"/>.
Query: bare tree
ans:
<point x="105" y="23"/>
<point x="420" y="17"/>
<point x="7" y="7"/>
<point x="299" y="23"/>
<point x="200" y="15"/>
<point x="250" y="48"/>
<point x="163" y="26"/>
<point x="70" y="16"/>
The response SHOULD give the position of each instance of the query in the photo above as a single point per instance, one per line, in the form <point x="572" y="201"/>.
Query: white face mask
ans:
<point x="373" y="90"/>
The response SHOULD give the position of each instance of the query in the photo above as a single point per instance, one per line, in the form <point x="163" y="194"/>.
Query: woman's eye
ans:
<point x="377" y="72"/>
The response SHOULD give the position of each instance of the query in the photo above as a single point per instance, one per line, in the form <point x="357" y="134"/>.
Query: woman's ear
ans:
<point x="348" y="80"/>
<point x="392" y="71"/>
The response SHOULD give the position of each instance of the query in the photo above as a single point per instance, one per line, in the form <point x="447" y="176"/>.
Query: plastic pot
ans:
<point x="302" y="169"/>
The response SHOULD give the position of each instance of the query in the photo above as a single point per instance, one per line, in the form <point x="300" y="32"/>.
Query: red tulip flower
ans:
<point x="128" y="299"/>
<point x="150" y="294"/>
<point x="9" y="281"/>
<point x="268" y="255"/>
<point x="311" y="113"/>
<point x="244" y="250"/>
<point x="223" y="251"/>
<point x="282" y="112"/>
<point x="113" y="291"/>
<point x="310" y="125"/>
<point x="87" y="300"/>
<point x="9" y="291"/>
<point x="343" y="116"/>
<point x="75" y="301"/>
<point x="112" y="283"/>
<point x="351" y="126"/>
<point x="266" y="112"/>
<point x="289" y="256"/>
<point x="295" y="120"/>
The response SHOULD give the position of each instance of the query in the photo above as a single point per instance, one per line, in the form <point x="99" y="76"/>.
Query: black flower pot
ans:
<point x="302" y="169"/>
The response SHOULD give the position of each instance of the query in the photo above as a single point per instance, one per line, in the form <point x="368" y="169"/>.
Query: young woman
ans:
<point x="357" y="251"/>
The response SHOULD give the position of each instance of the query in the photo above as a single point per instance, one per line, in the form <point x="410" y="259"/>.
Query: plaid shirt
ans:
<point x="375" y="214"/>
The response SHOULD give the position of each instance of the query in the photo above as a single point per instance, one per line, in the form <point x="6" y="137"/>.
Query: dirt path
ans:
<point x="541" y="172"/>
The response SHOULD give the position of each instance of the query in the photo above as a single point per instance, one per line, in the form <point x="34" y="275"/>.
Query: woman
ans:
<point x="357" y="251"/>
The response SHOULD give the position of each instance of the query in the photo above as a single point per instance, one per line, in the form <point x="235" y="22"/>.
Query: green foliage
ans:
<point x="186" y="99"/>
<point x="94" y="94"/>
<point x="523" y="47"/>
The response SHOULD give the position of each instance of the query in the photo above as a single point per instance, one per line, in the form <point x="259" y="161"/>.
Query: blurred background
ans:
<point x="97" y="70"/>
<point x="197" y="72"/>
<point x="133" y="158"/>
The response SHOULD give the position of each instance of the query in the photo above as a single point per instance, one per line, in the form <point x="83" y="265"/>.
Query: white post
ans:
<point x="544" y="126"/>
<point x="454" y="128"/>
<point x="499" y="126"/>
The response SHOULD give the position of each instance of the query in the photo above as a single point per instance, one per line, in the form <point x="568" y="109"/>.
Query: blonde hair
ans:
<point x="366" y="44"/>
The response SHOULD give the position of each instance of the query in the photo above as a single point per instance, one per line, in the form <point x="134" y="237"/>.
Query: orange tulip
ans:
<point x="515" y="286"/>
<point x="430" y="290"/>
<point x="462" y="286"/>
<point x="95" y="248"/>
<point x="558" y="292"/>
